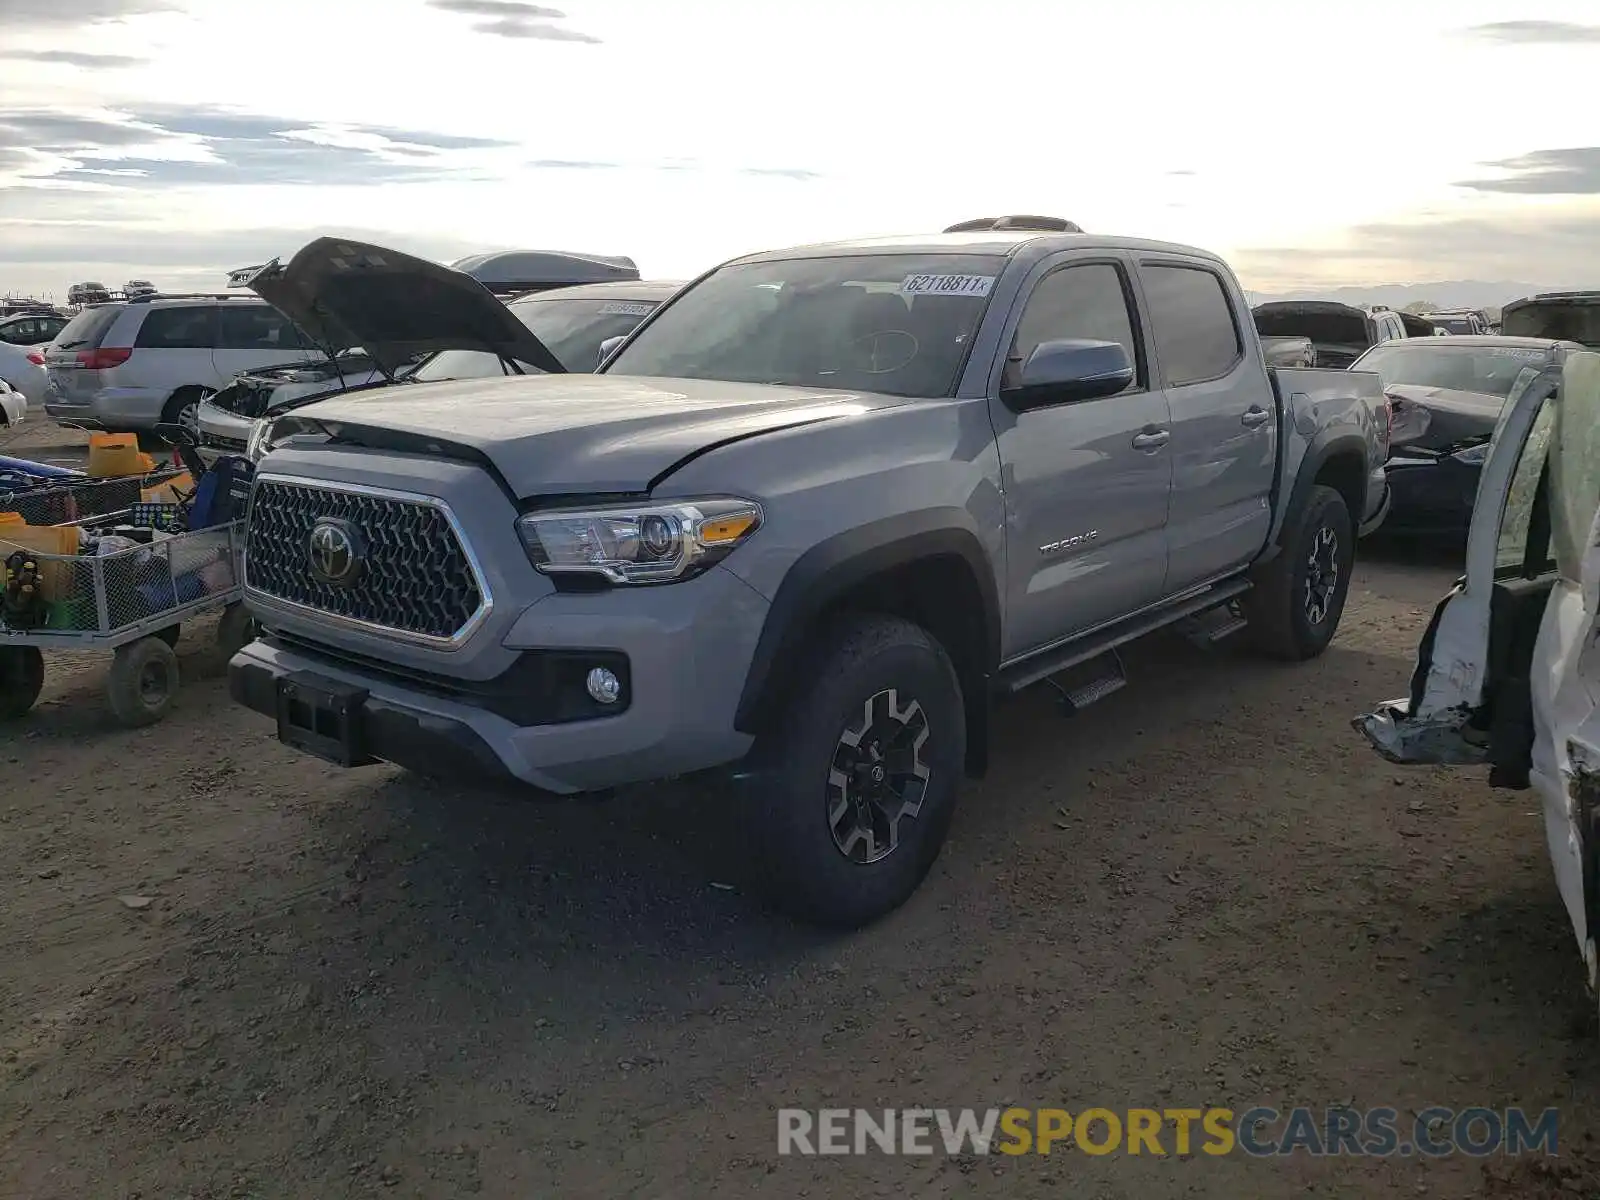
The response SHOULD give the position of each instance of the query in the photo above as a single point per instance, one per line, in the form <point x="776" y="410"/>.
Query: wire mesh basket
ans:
<point x="80" y="500"/>
<point x="126" y="593"/>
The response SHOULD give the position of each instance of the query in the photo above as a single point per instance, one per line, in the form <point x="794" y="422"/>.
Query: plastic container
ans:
<point x="115" y="455"/>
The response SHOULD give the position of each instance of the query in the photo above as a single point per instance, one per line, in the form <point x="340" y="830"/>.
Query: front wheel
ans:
<point x="858" y="779"/>
<point x="1298" y="598"/>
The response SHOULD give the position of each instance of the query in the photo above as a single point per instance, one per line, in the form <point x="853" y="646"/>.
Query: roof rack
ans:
<point x="1016" y="223"/>
<point x="147" y="297"/>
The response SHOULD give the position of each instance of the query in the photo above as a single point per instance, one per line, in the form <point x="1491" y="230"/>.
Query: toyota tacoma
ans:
<point x="807" y="522"/>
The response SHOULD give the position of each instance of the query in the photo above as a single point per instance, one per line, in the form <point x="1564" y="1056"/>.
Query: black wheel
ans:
<point x="856" y="784"/>
<point x="235" y="630"/>
<point x="21" y="680"/>
<point x="142" y="682"/>
<point x="1298" y="598"/>
<point x="169" y="635"/>
<point x="184" y="409"/>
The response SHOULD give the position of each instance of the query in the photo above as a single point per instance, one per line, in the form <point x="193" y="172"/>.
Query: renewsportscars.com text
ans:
<point x="1431" y="1132"/>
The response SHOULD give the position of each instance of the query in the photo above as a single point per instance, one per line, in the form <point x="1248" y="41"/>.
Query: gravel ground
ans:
<point x="230" y="971"/>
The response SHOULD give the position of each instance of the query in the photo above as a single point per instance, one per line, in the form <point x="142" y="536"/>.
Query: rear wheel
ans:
<point x="1298" y="598"/>
<point x="184" y="409"/>
<point x="858" y="780"/>
<point x="142" y="682"/>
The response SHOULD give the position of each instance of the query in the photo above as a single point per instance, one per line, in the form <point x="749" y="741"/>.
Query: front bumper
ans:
<point x="222" y="432"/>
<point x="1431" y="496"/>
<point x="687" y="649"/>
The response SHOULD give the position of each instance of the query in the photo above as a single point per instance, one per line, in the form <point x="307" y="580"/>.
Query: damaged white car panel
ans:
<point x="1509" y="671"/>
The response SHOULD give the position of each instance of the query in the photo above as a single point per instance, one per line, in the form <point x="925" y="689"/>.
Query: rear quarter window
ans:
<point x="1196" y="335"/>
<point x="192" y="327"/>
<point x="88" y="329"/>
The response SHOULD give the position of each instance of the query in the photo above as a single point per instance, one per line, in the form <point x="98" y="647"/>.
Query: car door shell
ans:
<point x="1086" y="511"/>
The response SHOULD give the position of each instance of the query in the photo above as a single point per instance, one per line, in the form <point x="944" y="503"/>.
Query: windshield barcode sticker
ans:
<point x="619" y="308"/>
<point x="1517" y="352"/>
<point x="946" y="285"/>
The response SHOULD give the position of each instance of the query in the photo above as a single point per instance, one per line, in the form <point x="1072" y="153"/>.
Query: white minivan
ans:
<point x="131" y="365"/>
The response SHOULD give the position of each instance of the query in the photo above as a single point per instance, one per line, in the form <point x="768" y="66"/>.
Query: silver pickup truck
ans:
<point x="808" y="520"/>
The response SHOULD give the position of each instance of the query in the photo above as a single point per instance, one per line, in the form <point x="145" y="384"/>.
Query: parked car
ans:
<point x="1508" y="669"/>
<point x="1460" y="322"/>
<point x="22" y="369"/>
<point x="508" y="273"/>
<point x="1571" y="316"/>
<point x="88" y="293"/>
<point x="1445" y="398"/>
<point x="13" y="405"/>
<point x="135" y="288"/>
<point x="131" y="365"/>
<point x="31" y="329"/>
<point x="816" y="510"/>
<point x="573" y="322"/>
<point x="1415" y="326"/>
<point x="1340" y="332"/>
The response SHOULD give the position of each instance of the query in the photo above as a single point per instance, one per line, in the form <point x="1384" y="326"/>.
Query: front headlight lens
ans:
<point x="260" y="442"/>
<point x="641" y="543"/>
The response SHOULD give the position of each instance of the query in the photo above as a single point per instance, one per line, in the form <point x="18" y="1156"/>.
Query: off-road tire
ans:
<point x="142" y="682"/>
<point x="1277" y="606"/>
<point x="21" y="680"/>
<point x="786" y="799"/>
<point x="236" y="629"/>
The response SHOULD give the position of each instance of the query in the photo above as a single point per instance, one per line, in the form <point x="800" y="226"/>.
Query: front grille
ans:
<point x="415" y="576"/>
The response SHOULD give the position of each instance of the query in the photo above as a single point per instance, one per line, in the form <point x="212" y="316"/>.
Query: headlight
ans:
<point x="1473" y="456"/>
<point x="260" y="442"/>
<point x="640" y="543"/>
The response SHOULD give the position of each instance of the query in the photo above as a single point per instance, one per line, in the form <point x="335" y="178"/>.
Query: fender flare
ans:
<point x="832" y="567"/>
<point x="1326" y="445"/>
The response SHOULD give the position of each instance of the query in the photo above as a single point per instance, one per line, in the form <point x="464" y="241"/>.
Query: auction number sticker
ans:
<point x="1516" y="352"/>
<point x="619" y="308"/>
<point x="946" y="285"/>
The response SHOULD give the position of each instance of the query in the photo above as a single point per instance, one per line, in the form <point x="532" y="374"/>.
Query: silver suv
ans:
<point x="132" y="365"/>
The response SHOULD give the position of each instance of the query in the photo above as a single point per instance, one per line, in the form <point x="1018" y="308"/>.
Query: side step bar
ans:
<point x="1080" y="650"/>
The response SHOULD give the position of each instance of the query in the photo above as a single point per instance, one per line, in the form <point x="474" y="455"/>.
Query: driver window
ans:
<point x="1087" y="301"/>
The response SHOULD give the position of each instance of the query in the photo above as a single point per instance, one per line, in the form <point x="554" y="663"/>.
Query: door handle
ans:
<point x="1254" y="416"/>
<point x="1151" y="439"/>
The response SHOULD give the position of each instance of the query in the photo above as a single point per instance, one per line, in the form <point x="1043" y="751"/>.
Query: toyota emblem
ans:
<point x="334" y="552"/>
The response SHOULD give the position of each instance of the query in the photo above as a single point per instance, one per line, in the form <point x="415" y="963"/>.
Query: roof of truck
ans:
<point x="982" y="242"/>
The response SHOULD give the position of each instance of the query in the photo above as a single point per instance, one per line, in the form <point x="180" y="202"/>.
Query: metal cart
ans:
<point x="131" y="601"/>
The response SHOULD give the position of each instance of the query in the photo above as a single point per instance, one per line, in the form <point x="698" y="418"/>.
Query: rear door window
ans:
<point x="1197" y="337"/>
<point x="88" y="329"/>
<point x="192" y="327"/>
<point x="256" y="327"/>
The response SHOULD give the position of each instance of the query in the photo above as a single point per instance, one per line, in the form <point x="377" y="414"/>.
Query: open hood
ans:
<point x="1558" y="316"/>
<point x="344" y="293"/>
<point x="1338" y="331"/>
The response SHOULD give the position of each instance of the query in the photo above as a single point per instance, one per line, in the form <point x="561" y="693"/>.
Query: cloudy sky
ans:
<point x="1317" y="145"/>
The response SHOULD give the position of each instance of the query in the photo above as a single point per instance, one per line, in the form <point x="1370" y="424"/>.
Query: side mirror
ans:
<point x="1069" y="369"/>
<point x="607" y="346"/>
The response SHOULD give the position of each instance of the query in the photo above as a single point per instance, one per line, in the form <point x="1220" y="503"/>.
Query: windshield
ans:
<point x="893" y="323"/>
<point x="1490" y="370"/>
<point x="572" y="329"/>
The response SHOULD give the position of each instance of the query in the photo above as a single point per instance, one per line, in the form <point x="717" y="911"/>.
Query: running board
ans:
<point x="1208" y="628"/>
<point x="1097" y="679"/>
<point x="1080" y="650"/>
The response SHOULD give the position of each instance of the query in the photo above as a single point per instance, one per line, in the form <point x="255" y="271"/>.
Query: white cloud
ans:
<point x="683" y="134"/>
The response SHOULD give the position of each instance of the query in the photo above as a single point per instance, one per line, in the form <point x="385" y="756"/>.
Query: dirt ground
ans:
<point x="1204" y="890"/>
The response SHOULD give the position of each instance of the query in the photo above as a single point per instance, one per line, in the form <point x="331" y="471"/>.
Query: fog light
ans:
<point x="603" y="686"/>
